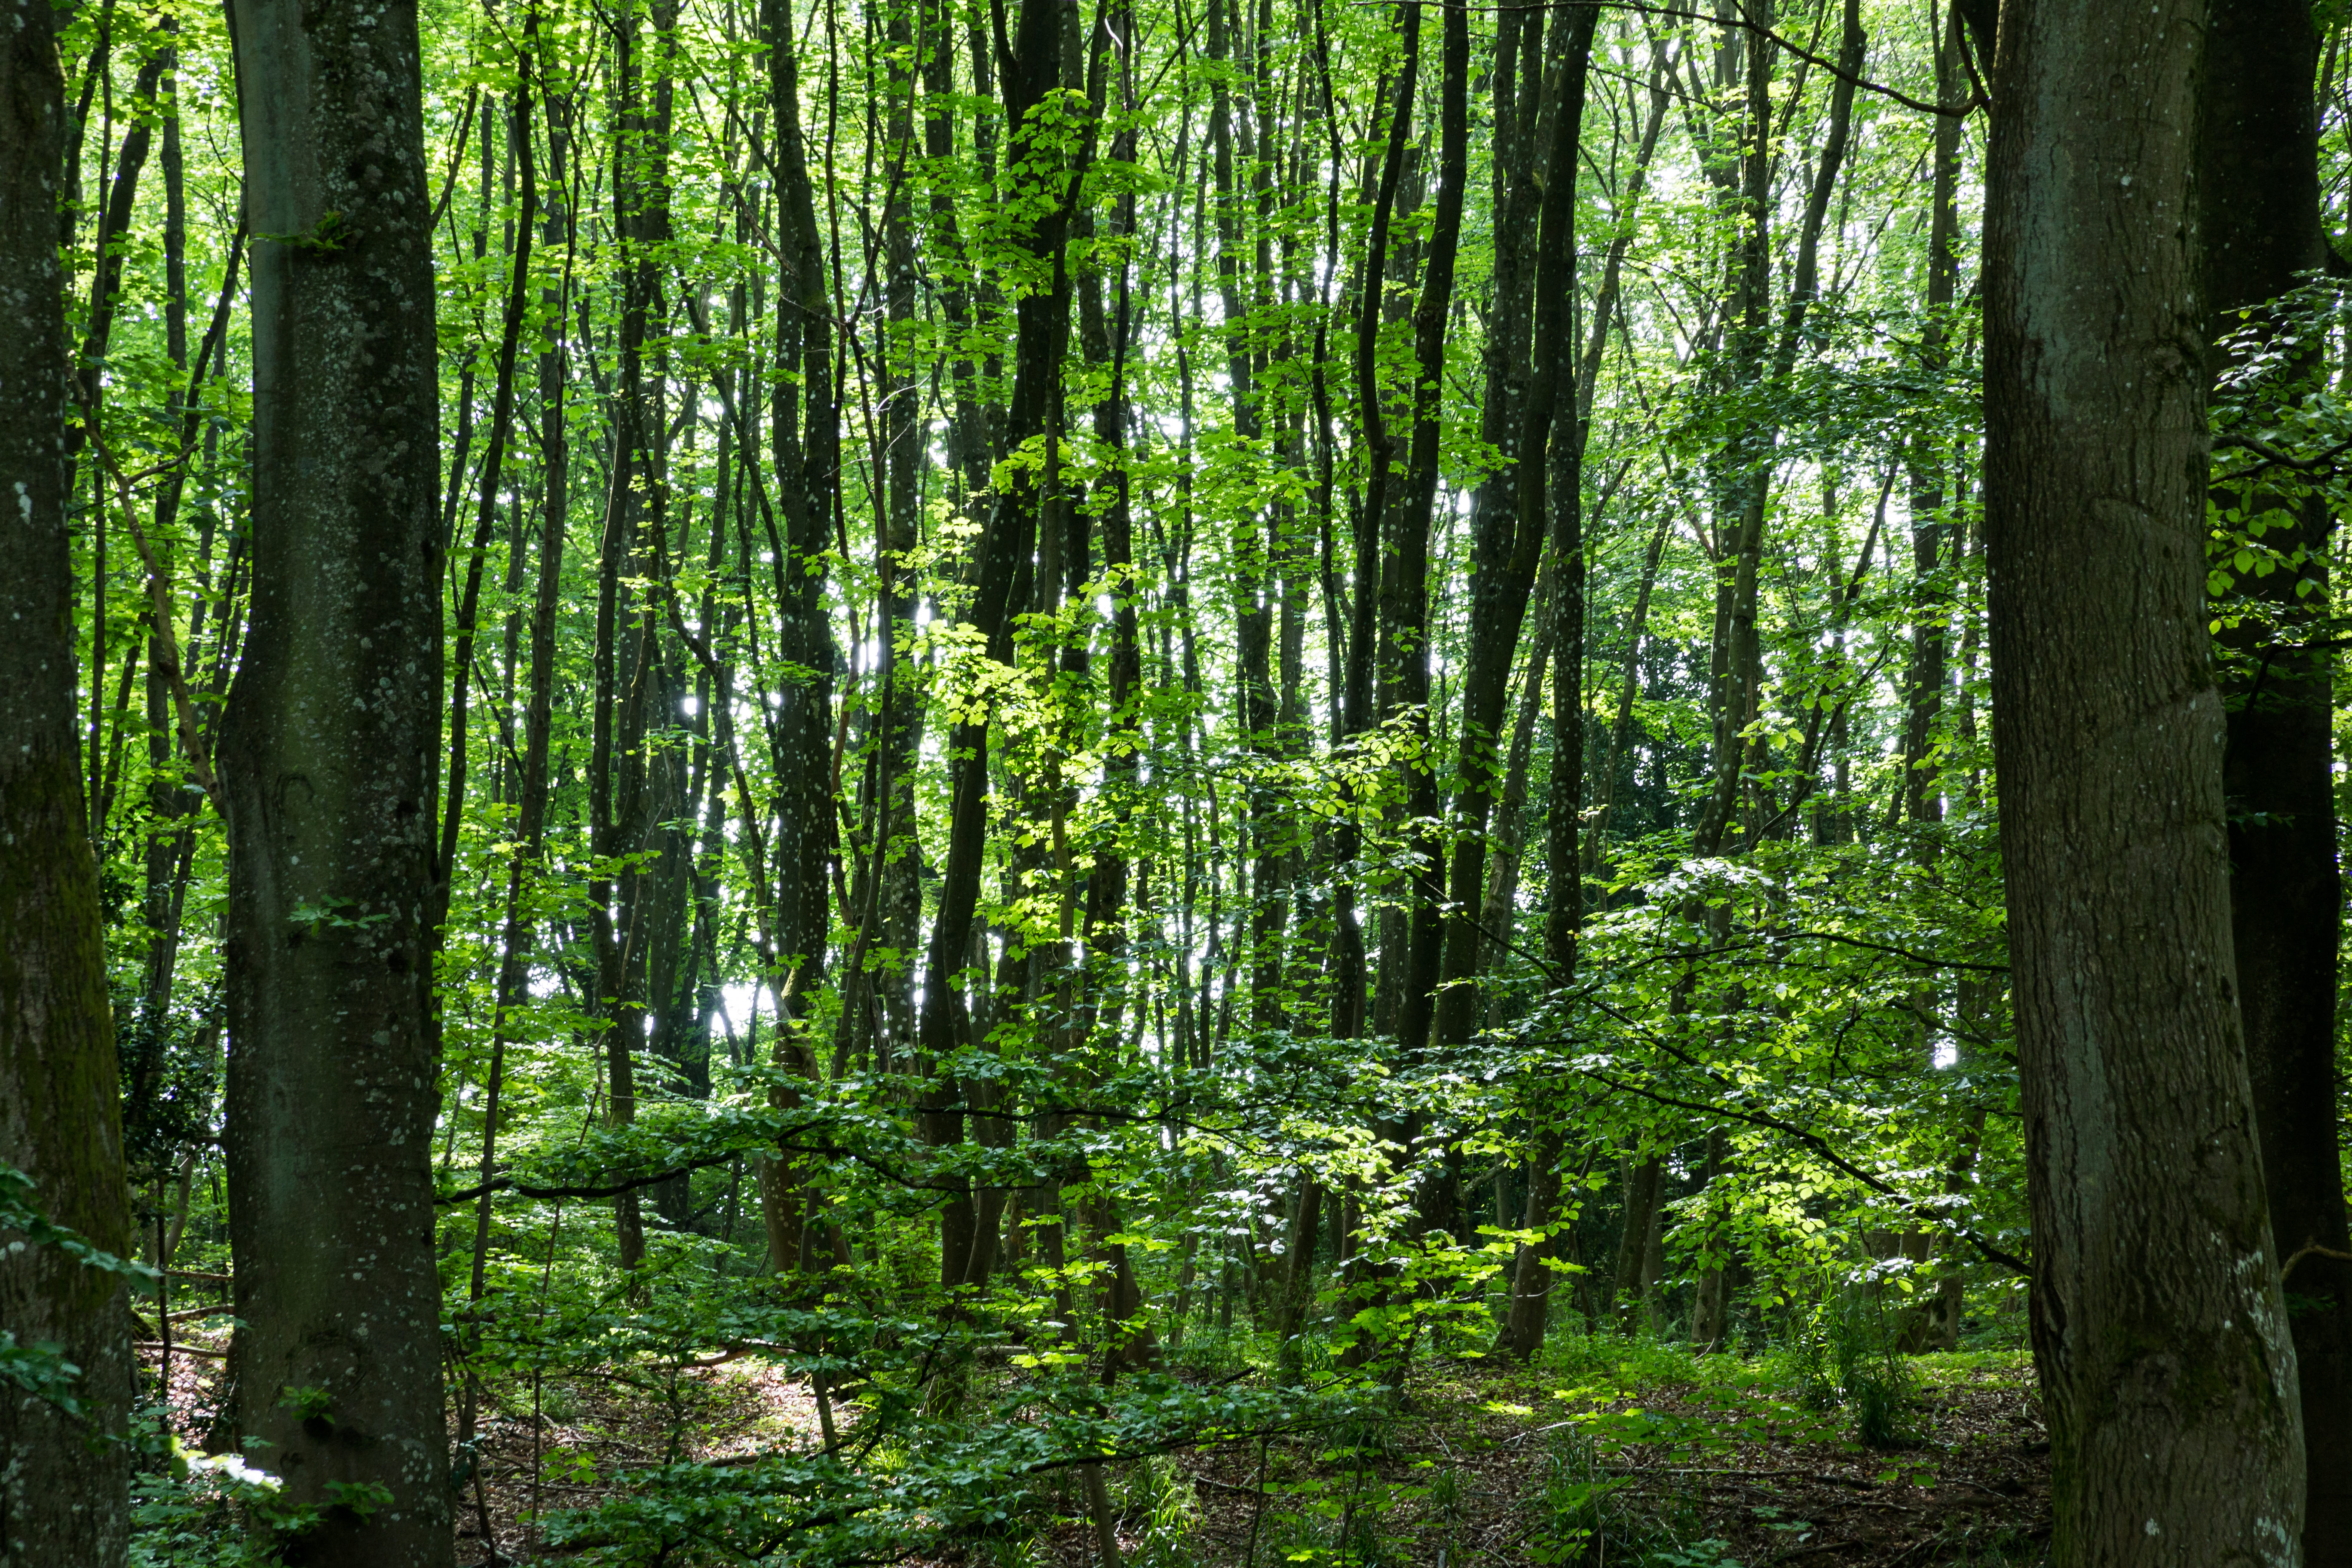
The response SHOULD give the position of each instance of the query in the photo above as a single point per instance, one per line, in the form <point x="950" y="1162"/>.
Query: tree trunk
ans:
<point x="531" y="827"/>
<point x="60" y="1117"/>
<point x="1511" y="528"/>
<point x="2259" y="219"/>
<point x="1410" y="946"/>
<point x="1032" y="58"/>
<point x="803" y="426"/>
<point x="2162" y="1343"/>
<point x="329" y="756"/>
<point x="1630" y="1282"/>
<point x="1546" y="500"/>
<point x="1359" y="1272"/>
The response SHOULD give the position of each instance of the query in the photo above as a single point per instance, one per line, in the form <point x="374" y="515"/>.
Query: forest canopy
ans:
<point x="847" y="783"/>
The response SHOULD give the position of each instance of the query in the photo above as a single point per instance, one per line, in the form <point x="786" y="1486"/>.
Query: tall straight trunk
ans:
<point x="2260" y="221"/>
<point x="1411" y="944"/>
<point x="615" y="744"/>
<point x="805" y="430"/>
<point x="899" y="850"/>
<point x="166" y="800"/>
<point x="502" y="415"/>
<point x="328" y="763"/>
<point x="1549" y="500"/>
<point x="1931" y="594"/>
<point x="62" y="1498"/>
<point x="1380" y="452"/>
<point x="1515" y="513"/>
<point x="1029" y="63"/>
<point x="1360" y="1272"/>
<point x="1413" y="934"/>
<point x="1256" y="538"/>
<point x="530" y="824"/>
<point x="2163" y="1348"/>
<point x="1742" y="470"/>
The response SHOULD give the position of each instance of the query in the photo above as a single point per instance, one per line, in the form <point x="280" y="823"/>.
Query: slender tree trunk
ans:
<point x="1549" y="500"/>
<point x="63" y="1499"/>
<point x="1360" y="1271"/>
<point x="2163" y="1348"/>
<point x="329" y="768"/>
<point x="167" y="800"/>
<point x="1513" y="521"/>
<point x="1410" y="947"/>
<point x="1030" y="59"/>
<point x="531" y="825"/>
<point x="1628" y="1282"/>
<point x="804" y="427"/>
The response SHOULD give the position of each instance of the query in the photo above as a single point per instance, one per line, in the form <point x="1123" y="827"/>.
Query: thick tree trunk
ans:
<point x="328" y="757"/>
<point x="2158" y="1328"/>
<point x="2258" y="219"/>
<point x="61" y="1499"/>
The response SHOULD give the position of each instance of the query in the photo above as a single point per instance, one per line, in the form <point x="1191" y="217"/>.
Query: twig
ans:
<point x="2311" y="1248"/>
<point x="509" y="1184"/>
<point x="181" y="1347"/>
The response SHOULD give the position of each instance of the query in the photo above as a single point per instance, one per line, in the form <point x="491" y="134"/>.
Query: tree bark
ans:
<point x="1628" y="1282"/>
<point x="2260" y="222"/>
<point x="2161" y="1339"/>
<point x="329" y="764"/>
<point x="1029" y="63"/>
<point x="804" y="427"/>
<point x="1512" y="516"/>
<point x="60" y="1120"/>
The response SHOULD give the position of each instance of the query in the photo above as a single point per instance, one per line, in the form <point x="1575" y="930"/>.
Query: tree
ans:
<point x="64" y="1486"/>
<point x="2161" y="1338"/>
<point x="328" y="772"/>
<point x="2261" y="223"/>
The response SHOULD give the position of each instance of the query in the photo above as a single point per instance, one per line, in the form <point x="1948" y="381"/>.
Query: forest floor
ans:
<point x="1648" y="1460"/>
<point x="1608" y="1451"/>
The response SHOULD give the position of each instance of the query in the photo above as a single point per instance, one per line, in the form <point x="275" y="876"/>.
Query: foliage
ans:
<point x="1139" y="1065"/>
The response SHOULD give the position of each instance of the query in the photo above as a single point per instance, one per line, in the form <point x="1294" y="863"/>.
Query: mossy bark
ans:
<point x="61" y="1499"/>
<point x="329" y="767"/>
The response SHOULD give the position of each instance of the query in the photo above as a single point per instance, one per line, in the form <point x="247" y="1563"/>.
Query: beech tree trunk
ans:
<point x="2157" y="1325"/>
<point x="60" y="1120"/>
<point x="329" y="768"/>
